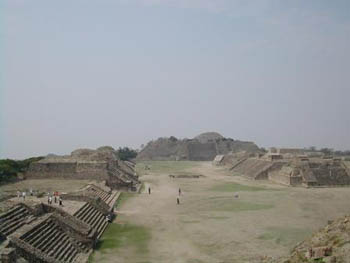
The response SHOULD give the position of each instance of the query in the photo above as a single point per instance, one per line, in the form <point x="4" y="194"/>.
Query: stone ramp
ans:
<point x="253" y="168"/>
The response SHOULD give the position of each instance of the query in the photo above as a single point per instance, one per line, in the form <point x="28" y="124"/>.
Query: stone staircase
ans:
<point x="108" y="197"/>
<point x="14" y="219"/>
<point x="50" y="239"/>
<point x="93" y="217"/>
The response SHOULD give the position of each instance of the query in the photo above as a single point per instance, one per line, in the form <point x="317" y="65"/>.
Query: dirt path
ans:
<point x="211" y="225"/>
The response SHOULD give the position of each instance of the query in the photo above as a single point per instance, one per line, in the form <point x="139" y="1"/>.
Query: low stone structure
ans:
<point x="38" y="232"/>
<point x="203" y="147"/>
<point x="297" y="171"/>
<point x="101" y="164"/>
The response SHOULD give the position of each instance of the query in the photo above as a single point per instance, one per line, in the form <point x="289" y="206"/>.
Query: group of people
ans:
<point x="24" y="194"/>
<point x="177" y="198"/>
<point x="55" y="197"/>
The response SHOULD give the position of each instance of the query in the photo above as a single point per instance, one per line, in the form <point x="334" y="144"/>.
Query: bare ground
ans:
<point x="211" y="225"/>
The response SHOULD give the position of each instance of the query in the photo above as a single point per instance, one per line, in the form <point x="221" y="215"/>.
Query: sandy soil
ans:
<point x="211" y="225"/>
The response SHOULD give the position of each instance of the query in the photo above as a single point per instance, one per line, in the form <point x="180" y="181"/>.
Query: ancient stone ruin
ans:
<point x="101" y="164"/>
<point x="289" y="167"/>
<point x="33" y="231"/>
<point x="203" y="147"/>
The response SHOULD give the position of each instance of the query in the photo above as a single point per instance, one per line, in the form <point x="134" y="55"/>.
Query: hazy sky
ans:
<point x="121" y="72"/>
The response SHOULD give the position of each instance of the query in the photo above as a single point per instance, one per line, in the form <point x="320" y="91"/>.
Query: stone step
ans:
<point x="14" y="228"/>
<point x="75" y="257"/>
<point x="81" y="210"/>
<point x="14" y="218"/>
<point x="102" y="229"/>
<point x="113" y="199"/>
<point x="13" y="225"/>
<point x="43" y="236"/>
<point x="12" y="211"/>
<point x="28" y="236"/>
<point x="71" y="254"/>
<point x="64" y="252"/>
<point x="89" y="213"/>
<point x="59" y="248"/>
<point x="86" y="213"/>
<point x="13" y="215"/>
<point x="50" y="239"/>
<point x="93" y="217"/>
<point x="68" y="254"/>
<point x="98" y="221"/>
<point x="39" y="234"/>
<point x="51" y="248"/>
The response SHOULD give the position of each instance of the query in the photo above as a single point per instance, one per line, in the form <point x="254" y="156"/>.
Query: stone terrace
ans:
<point x="38" y="232"/>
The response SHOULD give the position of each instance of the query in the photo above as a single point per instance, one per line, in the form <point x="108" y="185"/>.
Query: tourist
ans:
<point x="55" y="199"/>
<point x="149" y="190"/>
<point x="50" y="200"/>
<point x="179" y="191"/>
<point x="178" y="200"/>
<point x="31" y="192"/>
<point x="24" y="196"/>
<point x="60" y="201"/>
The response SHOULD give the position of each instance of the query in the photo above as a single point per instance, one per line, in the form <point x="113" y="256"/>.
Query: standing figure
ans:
<point x="179" y="191"/>
<point x="24" y="196"/>
<point x="31" y="192"/>
<point x="149" y="190"/>
<point x="60" y="201"/>
<point x="55" y="199"/>
<point x="178" y="200"/>
<point x="18" y="194"/>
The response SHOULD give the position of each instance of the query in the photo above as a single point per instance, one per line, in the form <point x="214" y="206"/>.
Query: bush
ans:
<point x="126" y="153"/>
<point x="10" y="168"/>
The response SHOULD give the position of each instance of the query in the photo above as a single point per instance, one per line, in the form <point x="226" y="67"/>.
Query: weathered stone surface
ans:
<point x="203" y="147"/>
<point x="101" y="165"/>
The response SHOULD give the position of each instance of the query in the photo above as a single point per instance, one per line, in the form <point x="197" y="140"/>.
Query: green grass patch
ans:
<point x="234" y="187"/>
<point x="122" y="198"/>
<point x="167" y="167"/>
<point x="118" y="236"/>
<point x="285" y="236"/>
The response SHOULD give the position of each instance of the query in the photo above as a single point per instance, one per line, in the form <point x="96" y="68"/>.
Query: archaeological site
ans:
<point x="64" y="230"/>
<point x="119" y="211"/>
<point x="101" y="164"/>
<point x="203" y="147"/>
<point x="292" y="167"/>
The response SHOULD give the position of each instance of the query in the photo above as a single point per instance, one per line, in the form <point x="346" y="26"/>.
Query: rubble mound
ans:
<point x="330" y="244"/>
<point x="101" y="164"/>
<point x="208" y="136"/>
<point x="203" y="147"/>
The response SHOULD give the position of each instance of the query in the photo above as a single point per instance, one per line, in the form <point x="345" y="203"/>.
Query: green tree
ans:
<point x="126" y="153"/>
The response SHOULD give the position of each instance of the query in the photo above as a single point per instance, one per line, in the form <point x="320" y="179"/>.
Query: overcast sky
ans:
<point x="122" y="72"/>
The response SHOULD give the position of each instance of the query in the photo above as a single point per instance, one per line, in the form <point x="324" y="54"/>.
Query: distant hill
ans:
<point x="203" y="147"/>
